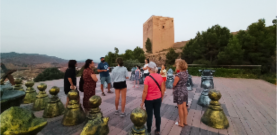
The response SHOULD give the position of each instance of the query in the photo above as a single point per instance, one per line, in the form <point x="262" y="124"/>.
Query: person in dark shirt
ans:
<point x="70" y="76"/>
<point x="103" y="69"/>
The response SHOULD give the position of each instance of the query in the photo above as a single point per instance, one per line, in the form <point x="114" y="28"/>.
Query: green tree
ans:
<point x="138" y="54"/>
<point x="274" y="21"/>
<point x="116" y="52"/>
<point x="49" y="74"/>
<point x="129" y="64"/>
<point x="206" y="45"/>
<point x="128" y="55"/>
<point x="110" y="58"/>
<point x="259" y="43"/>
<point x="171" y="56"/>
<point x="148" y="46"/>
<point x="232" y="53"/>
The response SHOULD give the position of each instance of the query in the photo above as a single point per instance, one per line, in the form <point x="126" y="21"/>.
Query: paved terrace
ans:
<point x="250" y="106"/>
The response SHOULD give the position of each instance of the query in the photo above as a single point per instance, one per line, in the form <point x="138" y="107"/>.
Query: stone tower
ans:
<point x="160" y="31"/>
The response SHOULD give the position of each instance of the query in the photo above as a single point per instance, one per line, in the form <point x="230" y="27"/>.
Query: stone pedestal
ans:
<point x="54" y="107"/>
<point x="97" y="124"/>
<point x="214" y="116"/>
<point x="139" y="118"/>
<point x="74" y="113"/>
<point x="31" y="93"/>
<point x="20" y="121"/>
<point x="41" y="99"/>
<point x="18" y="83"/>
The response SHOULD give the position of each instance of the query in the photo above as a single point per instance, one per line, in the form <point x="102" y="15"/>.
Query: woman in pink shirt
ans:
<point x="152" y="97"/>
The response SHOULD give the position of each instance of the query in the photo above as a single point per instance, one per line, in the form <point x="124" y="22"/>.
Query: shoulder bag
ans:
<point x="156" y="82"/>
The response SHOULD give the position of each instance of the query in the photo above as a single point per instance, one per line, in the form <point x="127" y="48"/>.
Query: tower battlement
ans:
<point x="160" y="31"/>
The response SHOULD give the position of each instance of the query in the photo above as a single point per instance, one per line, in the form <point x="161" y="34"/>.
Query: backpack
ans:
<point x="81" y="83"/>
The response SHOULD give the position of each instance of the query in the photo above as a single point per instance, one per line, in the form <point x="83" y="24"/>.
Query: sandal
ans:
<point x="177" y="123"/>
<point x="184" y="123"/>
<point x="103" y="94"/>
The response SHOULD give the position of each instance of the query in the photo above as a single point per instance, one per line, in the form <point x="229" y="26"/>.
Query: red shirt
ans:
<point x="153" y="90"/>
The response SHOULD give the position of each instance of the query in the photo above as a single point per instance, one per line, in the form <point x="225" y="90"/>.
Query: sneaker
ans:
<point x="122" y="115"/>
<point x="103" y="94"/>
<point x="116" y="112"/>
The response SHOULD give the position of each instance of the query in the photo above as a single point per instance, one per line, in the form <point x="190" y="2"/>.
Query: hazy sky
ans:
<point x="82" y="29"/>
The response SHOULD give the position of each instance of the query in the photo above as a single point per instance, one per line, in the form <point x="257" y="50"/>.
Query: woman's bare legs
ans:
<point x="117" y="96"/>
<point x="185" y="113"/>
<point x="123" y="99"/>
<point x="181" y="117"/>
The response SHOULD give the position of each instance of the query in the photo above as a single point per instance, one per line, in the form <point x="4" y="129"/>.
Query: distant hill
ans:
<point x="15" y="60"/>
<point x="23" y="59"/>
<point x="33" y="64"/>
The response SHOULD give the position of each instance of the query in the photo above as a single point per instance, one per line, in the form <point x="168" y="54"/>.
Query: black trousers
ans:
<point x="155" y="105"/>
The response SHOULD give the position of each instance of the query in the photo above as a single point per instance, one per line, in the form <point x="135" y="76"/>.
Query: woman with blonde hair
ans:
<point x="180" y="92"/>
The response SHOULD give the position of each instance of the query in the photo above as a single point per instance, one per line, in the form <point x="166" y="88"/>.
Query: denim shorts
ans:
<point x="105" y="79"/>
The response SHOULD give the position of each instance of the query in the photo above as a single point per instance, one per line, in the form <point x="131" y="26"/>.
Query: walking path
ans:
<point x="249" y="104"/>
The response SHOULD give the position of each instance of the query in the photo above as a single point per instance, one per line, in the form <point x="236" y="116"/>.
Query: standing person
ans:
<point x="180" y="92"/>
<point x="152" y="97"/>
<point x="163" y="73"/>
<point x="137" y="76"/>
<point x="103" y="69"/>
<point x="119" y="76"/>
<point x="145" y="68"/>
<point x="89" y="85"/>
<point x="70" y="77"/>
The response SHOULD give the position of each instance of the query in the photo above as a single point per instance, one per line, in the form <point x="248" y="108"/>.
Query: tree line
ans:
<point x="131" y="57"/>
<point x="217" y="46"/>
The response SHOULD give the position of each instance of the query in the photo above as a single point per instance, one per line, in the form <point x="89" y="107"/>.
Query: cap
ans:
<point x="101" y="57"/>
<point x="152" y="65"/>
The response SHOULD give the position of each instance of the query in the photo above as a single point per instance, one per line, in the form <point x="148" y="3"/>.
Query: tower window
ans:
<point x="163" y="26"/>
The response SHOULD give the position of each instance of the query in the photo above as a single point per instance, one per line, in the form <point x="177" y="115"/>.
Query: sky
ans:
<point x="71" y="29"/>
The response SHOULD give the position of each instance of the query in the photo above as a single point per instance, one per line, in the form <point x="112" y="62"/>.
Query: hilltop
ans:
<point x="30" y="65"/>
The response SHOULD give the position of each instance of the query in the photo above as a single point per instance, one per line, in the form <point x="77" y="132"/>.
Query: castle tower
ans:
<point x="160" y="31"/>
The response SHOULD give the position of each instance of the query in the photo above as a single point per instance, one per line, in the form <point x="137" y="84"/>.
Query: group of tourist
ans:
<point x="153" y="92"/>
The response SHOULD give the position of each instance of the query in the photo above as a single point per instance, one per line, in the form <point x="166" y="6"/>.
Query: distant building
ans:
<point x="160" y="31"/>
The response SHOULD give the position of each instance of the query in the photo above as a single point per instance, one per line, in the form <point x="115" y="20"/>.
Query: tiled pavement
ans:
<point x="250" y="106"/>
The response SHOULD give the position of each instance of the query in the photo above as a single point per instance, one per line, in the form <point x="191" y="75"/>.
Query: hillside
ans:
<point x="30" y="65"/>
<point x="24" y="60"/>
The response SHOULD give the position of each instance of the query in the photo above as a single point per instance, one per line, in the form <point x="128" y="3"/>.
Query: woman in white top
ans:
<point x="119" y="76"/>
<point x="145" y="68"/>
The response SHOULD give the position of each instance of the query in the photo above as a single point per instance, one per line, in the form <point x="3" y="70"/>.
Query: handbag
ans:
<point x="156" y="82"/>
<point x="81" y="83"/>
